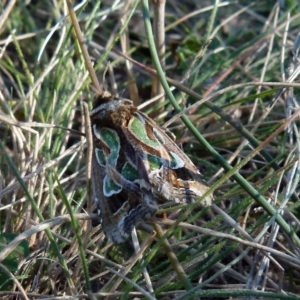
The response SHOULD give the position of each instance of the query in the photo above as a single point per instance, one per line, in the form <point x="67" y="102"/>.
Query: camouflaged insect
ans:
<point x="136" y="167"/>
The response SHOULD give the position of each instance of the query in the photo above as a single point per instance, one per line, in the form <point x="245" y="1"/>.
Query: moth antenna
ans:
<point x="112" y="80"/>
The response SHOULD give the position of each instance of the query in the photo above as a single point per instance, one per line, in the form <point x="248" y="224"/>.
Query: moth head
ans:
<point x="111" y="110"/>
<point x="101" y="98"/>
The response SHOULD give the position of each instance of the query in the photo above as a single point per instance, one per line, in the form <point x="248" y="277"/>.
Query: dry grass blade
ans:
<point x="145" y="293"/>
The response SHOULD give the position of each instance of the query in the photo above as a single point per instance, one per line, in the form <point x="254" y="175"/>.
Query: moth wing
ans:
<point x="106" y="206"/>
<point x="178" y="179"/>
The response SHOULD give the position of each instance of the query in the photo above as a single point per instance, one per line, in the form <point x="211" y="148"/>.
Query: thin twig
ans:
<point x="83" y="48"/>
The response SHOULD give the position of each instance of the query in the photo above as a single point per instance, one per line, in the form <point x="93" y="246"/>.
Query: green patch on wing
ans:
<point x="176" y="162"/>
<point x="154" y="161"/>
<point x="129" y="172"/>
<point x="138" y="129"/>
<point x="110" y="187"/>
<point x="111" y="138"/>
<point x="159" y="136"/>
<point x="100" y="157"/>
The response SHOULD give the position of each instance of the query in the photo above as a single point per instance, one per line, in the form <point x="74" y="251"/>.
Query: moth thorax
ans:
<point x="122" y="116"/>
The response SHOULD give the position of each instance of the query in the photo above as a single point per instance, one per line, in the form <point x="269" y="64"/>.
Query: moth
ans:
<point x="136" y="167"/>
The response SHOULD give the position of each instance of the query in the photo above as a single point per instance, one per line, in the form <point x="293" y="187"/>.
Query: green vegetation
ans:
<point x="234" y="66"/>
